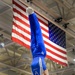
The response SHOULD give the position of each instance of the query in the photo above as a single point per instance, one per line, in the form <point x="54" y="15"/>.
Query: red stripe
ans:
<point x="21" y="35"/>
<point x="20" y="42"/>
<point x="41" y="16"/>
<point x="45" y="36"/>
<point x="21" y="28"/>
<point x="15" y="10"/>
<point x="42" y="22"/>
<point x="60" y="50"/>
<point x="54" y="59"/>
<point x="20" y="20"/>
<point x="18" y="5"/>
<point x="44" y="29"/>
<point x="52" y="52"/>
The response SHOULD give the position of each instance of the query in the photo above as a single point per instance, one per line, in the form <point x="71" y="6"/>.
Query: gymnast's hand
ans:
<point x="29" y="10"/>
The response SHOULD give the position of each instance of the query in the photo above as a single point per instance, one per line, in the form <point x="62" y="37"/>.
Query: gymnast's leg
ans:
<point x="35" y="26"/>
<point x="37" y="46"/>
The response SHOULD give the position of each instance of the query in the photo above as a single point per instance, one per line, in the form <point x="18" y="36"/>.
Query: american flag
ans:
<point x="21" y="33"/>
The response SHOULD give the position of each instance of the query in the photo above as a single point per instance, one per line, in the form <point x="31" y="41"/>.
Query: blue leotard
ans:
<point x="38" y="49"/>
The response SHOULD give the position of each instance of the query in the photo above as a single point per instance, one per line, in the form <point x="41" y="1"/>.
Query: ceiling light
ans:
<point x="1" y="45"/>
<point x="73" y="59"/>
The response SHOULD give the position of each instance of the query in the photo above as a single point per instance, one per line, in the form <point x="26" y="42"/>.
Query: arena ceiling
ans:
<point x="15" y="59"/>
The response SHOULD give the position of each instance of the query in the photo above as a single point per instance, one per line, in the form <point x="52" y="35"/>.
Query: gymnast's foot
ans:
<point x="29" y="10"/>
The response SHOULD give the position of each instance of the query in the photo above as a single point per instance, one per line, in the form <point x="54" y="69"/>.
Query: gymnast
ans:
<point x="38" y="50"/>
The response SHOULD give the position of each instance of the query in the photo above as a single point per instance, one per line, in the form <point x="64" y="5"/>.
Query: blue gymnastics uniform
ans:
<point x="38" y="49"/>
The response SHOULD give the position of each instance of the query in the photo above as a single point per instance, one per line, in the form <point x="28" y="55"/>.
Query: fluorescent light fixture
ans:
<point x="73" y="59"/>
<point x="1" y="45"/>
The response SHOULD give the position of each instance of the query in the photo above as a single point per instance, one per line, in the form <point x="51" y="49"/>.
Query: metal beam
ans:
<point x="70" y="48"/>
<point x="51" y="5"/>
<point x="23" y="63"/>
<point x="6" y="3"/>
<point x="72" y="18"/>
<point x="14" y="68"/>
<point x="4" y="69"/>
<point x="59" y="9"/>
<point x="62" y="70"/>
<point x="5" y="35"/>
<point x="18" y="65"/>
<point x="4" y="10"/>
<point x="8" y="55"/>
<point x="51" y="72"/>
<point x="9" y="44"/>
<point x="8" y="59"/>
<point x="44" y="8"/>
<point x="18" y="55"/>
<point x="68" y="6"/>
<point x="61" y="4"/>
<point x="2" y="52"/>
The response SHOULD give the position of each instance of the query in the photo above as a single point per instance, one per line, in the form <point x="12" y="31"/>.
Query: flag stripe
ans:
<point x="20" y="5"/>
<point x="18" y="33"/>
<point x="21" y="21"/>
<point x="42" y="19"/>
<point x="20" y="12"/>
<point x="59" y="62"/>
<point x="21" y="33"/>
<point x="23" y="29"/>
<point x="55" y="57"/>
<point x="20" y="38"/>
<point x="50" y="49"/>
<point x="50" y="45"/>
<point x="20" y="42"/>
<point x="56" y="54"/>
